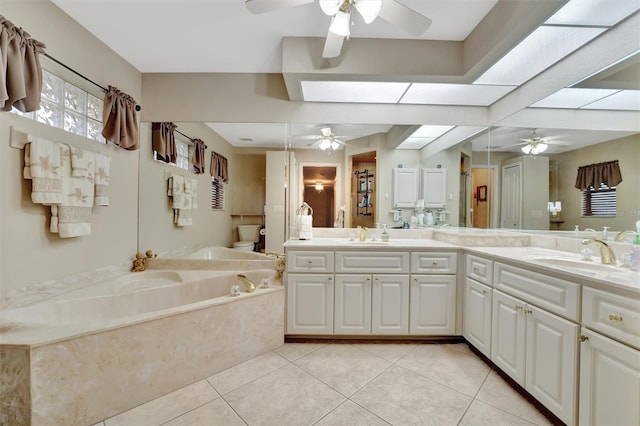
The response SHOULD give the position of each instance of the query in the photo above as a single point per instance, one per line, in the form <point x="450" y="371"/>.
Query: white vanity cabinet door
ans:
<point x="434" y="187"/>
<point x="405" y="187"/>
<point x="479" y="269"/>
<point x="508" y="336"/>
<point x="609" y="382"/>
<point x="551" y="362"/>
<point x="390" y="304"/>
<point x="433" y="305"/>
<point x="310" y="303"/>
<point x="352" y="304"/>
<point x="476" y="315"/>
<point x="611" y="314"/>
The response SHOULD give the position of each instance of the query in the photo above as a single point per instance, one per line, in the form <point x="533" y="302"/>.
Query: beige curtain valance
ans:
<point x="198" y="159"/>
<point x="219" y="168"/>
<point x="20" y="71"/>
<point x="593" y="175"/>
<point x="120" y="124"/>
<point x="163" y="141"/>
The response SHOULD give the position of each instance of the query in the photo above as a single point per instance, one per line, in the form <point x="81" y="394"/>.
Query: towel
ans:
<point x="183" y="217"/>
<point x="72" y="217"/>
<point x="26" y="172"/>
<point x="103" y="169"/>
<point x="80" y="161"/>
<point x="45" y="164"/>
<point x="194" y="193"/>
<point x="177" y="192"/>
<point x="187" y="185"/>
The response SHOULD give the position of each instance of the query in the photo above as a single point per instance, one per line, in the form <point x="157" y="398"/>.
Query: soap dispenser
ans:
<point x="385" y="234"/>
<point x="635" y="254"/>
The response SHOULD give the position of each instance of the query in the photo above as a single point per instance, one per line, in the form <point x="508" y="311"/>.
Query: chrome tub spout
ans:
<point x="248" y="284"/>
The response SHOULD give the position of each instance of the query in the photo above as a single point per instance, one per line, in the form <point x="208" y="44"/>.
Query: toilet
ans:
<point x="248" y="235"/>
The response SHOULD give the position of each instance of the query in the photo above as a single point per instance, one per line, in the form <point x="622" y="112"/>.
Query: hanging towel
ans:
<point x="194" y="193"/>
<point x="45" y="164"/>
<point x="187" y="185"/>
<point x="177" y="192"/>
<point x="80" y="161"/>
<point x="72" y="217"/>
<point x="26" y="172"/>
<point x="103" y="170"/>
<point x="184" y="217"/>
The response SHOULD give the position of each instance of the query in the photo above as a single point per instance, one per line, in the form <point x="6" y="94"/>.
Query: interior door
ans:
<point x="511" y="211"/>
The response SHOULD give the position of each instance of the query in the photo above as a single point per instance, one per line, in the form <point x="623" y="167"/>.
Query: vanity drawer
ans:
<point x="480" y="269"/>
<point x="553" y="294"/>
<point x="384" y="262"/>
<point x="433" y="263"/>
<point x="611" y="314"/>
<point x="310" y="261"/>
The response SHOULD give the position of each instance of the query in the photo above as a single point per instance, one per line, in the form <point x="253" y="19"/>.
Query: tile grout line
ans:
<point x="473" y="398"/>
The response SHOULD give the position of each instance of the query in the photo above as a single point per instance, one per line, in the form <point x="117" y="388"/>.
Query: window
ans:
<point x="599" y="202"/>
<point x="217" y="194"/>
<point x="182" y="156"/>
<point x="68" y="107"/>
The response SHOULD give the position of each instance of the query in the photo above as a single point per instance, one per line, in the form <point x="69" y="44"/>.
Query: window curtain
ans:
<point x="219" y="170"/>
<point x="163" y="141"/>
<point x="198" y="159"/>
<point x="20" y="71"/>
<point x="120" y="124"/>
<point x="595" y="174"/>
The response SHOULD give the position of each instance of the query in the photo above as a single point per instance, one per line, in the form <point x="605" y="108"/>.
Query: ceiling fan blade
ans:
<point x="332" y="45"/>
<point x="263" y="6"/>
<point x="326" y="131"/>
<point x="405" y="18"/>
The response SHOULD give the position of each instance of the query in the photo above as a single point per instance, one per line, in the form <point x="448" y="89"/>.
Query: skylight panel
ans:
<point x="352" y="91"/>
<point x="572" y="98"/>
<point x="454" y="94"/>
<point x="627" y="100"/>
<point x="415" y="143"/>
<point x="430" y="131"/>
<point x="594" y="12"/>
<point x="541" y="49"/>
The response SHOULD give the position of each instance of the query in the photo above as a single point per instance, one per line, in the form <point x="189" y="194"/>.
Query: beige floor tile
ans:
<point x="497" y="392"/>
<point x="351" y="414"/>
<point x="392" y="352"/>
<point x="484" y="414"/>
<point x="402" y="397"/>
<point x="241" y="374"/>
<point x="166" y="407"/>
<point x="453" y="365"/>
<point x="214" y="413"/>
<point x="342" y="366"/>
<point x="293" y="351"/>
<point x="287" y="396"/>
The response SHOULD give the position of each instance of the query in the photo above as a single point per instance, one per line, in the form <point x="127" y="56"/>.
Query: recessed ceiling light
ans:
<point x="572" y="98"/>
<point x="541" y="49"/>
<point x="352" y="91"/>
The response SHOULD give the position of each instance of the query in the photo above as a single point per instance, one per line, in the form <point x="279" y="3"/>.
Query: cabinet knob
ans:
<point x="582" y="338"/>
<point x="615" y="318"/>
<point x="310" y="262"/>
<point x="434" y="263"/>
<point x="519" y="308"/>
<point x="330" y="279"/>
<point x="476" y="270"/>
<point x="528" y="311"/>
<point x="485" y="292"/>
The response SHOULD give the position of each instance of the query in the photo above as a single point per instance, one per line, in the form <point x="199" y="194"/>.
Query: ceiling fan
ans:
<point x="340" y="12"/>
<point x="534" y="144"/>
<point x="327" y="140"/>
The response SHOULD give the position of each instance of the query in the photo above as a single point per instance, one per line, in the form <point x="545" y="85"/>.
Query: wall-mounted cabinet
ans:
<point x="434" y="187"/>
<point x="364" y="189"/>
<point x="405" y="187"/>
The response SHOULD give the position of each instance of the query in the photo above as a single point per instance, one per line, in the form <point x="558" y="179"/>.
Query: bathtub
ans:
<point x="213" y="257"/>
<point x="85" y="355"/>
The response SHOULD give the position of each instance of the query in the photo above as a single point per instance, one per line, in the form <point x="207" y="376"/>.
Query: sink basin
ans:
<point x="582" y="265"/>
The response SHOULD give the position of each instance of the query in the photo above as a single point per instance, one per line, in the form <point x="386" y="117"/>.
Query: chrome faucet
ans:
<point x="622" y="235"/>
<point x="248" y="284"/>
<point x="607" y="256"/>
<point x="363" y="233"/>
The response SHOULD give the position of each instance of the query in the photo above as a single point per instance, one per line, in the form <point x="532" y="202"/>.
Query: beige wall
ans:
<point x="627" y="152"/>
<point x="156" y="228"/>
<point x="29" y="253"/>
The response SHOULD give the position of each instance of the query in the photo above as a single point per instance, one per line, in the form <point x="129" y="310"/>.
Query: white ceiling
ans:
<point x="222" y="36"/>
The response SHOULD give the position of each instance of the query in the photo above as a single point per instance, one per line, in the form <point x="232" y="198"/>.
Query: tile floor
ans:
<point x="346" y="383"/>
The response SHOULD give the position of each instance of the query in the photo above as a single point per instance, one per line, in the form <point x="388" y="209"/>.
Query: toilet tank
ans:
<point x="248" y="232"/>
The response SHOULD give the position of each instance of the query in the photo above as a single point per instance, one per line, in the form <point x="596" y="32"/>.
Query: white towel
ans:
<point x="183" y="217"/>
<point x="177" y="192"/>
<point x="103" y="170"/>
<point x="26" y="172"/>
<point x="80" y="161"/>
<point x="187" y="185"/>
<point x="45" y="164"/>
<point x="72" y="218"/>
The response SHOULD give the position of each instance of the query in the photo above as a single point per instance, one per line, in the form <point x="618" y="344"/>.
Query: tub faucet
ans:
<point x="140" y="261"/>
<point x="363" y="233"/>
<point x="248" y="284"/>
<point x="607" y="256"/>
<point x="272" y="254"/>
<point x="622" y="235"/>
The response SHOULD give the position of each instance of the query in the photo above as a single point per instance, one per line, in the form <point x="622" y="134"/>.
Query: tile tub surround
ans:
<point x="95" y="374"/>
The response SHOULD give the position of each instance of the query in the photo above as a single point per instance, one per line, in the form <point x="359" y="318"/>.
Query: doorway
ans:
<point x="363" y="190"/>
<point x="320" y="189"/>
<point x="482" y="186"/>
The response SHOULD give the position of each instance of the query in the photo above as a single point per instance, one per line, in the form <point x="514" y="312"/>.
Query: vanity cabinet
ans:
<point x="390" y="304"/>
<point x="434" y="187"/>
<point x="477" y="303"/>
<point x="609" y="359"/>
<point x="310" y="303"/>
<point x="352" y="304"/>
<point x="537" y="347"/>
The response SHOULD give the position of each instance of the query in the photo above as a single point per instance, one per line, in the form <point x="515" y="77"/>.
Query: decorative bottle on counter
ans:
<point x="385" y="234"/>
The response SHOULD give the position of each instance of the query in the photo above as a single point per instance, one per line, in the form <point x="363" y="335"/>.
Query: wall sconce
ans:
<point x="554" y="207"/>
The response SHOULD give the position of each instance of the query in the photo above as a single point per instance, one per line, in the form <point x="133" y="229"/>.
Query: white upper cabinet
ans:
<point x="405" y="187"/>
<point x="434" y="187"/>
